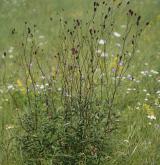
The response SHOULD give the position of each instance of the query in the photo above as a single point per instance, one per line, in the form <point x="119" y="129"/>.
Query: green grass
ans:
<point x="136" y="139"/>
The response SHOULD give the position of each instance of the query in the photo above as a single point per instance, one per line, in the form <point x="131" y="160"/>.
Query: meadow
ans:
<point x="79" y="82"/>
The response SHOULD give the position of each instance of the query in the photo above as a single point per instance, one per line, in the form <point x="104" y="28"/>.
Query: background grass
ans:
<point x="137" y="141"/>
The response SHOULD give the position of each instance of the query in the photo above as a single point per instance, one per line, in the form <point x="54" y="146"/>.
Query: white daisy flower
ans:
<point x="144" y="90"/>
<point x="98" y="51"/>
<point x="154" y="72"/>
<point x="59" y="89"/>
<point x="9" y="127"/>
<point x="10" y="87"/>
<point x="116" y="34"/>
<point x="10" y="50"/>
<point x="102" y="42"/>
<point x="11" y="56"/>
<point x="41" y="86"/>
<point x="41" y="37"/>
<point x="145" y="99"/>
<point x="152" y="117"/>
<point x="104" y="54"/>
<point x="137" y="81"/>
<point x="123" y="26"/>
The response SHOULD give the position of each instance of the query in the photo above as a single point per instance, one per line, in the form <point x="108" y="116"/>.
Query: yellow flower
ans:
<point x="158" y="17"/>
<point x="149" y="110"/>
<point x="114" y="62"/>
<point x="54" y="72"/>
<point x="19" y="83"/>
<point x="21" y="86"/>
<point x="116" y="65"/>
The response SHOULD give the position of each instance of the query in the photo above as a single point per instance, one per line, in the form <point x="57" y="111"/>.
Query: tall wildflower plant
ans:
<point x="68" y="109"/>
